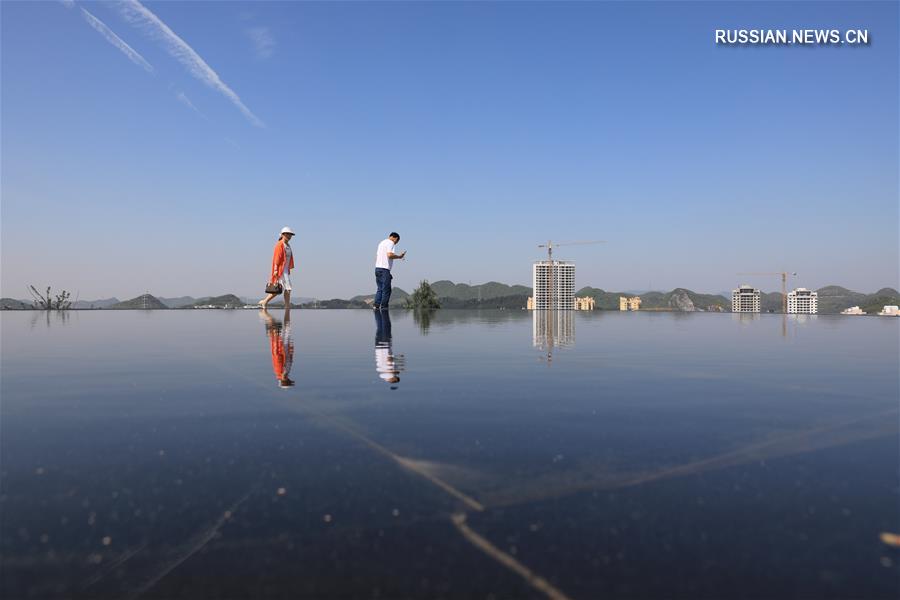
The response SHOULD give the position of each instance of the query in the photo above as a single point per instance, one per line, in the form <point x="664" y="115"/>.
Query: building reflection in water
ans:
<point x="281" y="344"/>
<point x="787" y="320"/>
<point x="553" y="329"/>
<point x="745" y="318"/>
<point x="387" y="364"/>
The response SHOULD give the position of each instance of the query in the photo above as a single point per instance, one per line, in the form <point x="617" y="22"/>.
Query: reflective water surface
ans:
<point x="188" y="454"/>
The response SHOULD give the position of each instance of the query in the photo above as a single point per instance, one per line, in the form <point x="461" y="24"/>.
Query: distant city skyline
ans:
<point x="154" y="146"/>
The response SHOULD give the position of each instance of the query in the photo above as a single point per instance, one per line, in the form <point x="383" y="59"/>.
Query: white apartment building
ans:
<point x="745" y="299"/>
<point x="802" y="301"/>
<point x="554" y="285"/>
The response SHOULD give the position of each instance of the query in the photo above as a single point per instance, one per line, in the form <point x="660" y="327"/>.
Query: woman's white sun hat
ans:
<point x="287" y="230"/>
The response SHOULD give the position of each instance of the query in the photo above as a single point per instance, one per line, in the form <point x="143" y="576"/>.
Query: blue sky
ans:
<point x="476" y="130"/>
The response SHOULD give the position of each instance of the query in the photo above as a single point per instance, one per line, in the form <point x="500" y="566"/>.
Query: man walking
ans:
<point x="384" y="260"/>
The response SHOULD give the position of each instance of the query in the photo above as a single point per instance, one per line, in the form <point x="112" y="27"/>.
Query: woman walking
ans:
<point x="282" y="263"/>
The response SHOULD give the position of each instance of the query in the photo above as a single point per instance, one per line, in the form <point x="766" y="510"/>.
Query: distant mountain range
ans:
<point x="832" y="299"/>
<point x="231" y="299"/>
<point x="144" y="302"/>
<point x="679" y="299"/>
<point x="453" y="295"/>
<point x="179" y="302"/>
<point x="103" y="303"/>
<point x="13" y="304"/>
<point x="398" y="298"/>
<point x="224" y="301"/>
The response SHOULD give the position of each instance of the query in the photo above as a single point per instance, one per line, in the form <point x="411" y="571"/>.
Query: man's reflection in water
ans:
<point x="386" y="363"/>
<point x="281" y="342"/>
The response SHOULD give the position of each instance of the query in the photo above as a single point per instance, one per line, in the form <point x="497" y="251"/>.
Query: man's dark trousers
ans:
<point x="383" y="281"/>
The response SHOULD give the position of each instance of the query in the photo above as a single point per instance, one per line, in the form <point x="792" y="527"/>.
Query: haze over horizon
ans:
<point x="161" y="146"/>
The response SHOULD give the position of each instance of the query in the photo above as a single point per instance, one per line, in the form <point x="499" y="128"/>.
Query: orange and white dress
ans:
<point x="282" y="263"/>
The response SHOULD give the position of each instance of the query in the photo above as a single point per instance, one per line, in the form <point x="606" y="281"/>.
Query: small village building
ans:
<point x="629" y="303"/>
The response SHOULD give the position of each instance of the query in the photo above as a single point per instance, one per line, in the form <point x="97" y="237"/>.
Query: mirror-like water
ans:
<point x="186" y="454"/>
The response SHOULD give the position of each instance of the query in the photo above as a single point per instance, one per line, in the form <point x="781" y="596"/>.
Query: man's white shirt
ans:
<point x="384" y="363"/>
<point x="381" y="256"/>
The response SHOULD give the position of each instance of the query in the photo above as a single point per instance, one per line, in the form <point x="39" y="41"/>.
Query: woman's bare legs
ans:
<point x="265" y="301"/>
<point x="287" y="301"/>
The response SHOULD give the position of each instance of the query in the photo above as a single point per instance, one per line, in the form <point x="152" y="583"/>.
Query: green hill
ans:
<point x="179" y="302"/>
<point x="95" y="304"/>
<point x="514" y="301"/>
<point x="684" y="300"/>
<point x="484" y="291"/>
<point x="454" y="295"/>
<point x="13" y="304"/>
<point x="144" y="301"/>
<point x="770" y="302"/>
<point x="877" y="301"/>
<point x="226" y="301"/>
<point x="398" y="300"/>
<point x="833" y="299"/>
<point x="604" y="300"/>
<point x="340" y="303"/>
<point x="703" y="302"/>
<point x="679" y="299"/>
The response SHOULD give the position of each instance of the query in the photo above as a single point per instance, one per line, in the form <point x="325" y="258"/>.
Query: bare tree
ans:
<point x="48" y="301"/>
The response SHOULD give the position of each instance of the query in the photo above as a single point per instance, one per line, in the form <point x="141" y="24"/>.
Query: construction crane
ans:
<point x="550" y="246"/>
<point x="784" y="276"/>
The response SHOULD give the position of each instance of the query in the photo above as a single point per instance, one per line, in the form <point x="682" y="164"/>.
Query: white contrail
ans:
<point x="115" y="40"/>
<point x="182" y="97"/>
<point x="138" y="14"/>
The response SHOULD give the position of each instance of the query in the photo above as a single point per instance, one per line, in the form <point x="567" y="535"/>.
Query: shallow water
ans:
<point x="186" y="454"/>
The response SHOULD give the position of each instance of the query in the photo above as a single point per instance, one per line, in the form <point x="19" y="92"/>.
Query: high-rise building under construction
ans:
<point x="553" y="282"/>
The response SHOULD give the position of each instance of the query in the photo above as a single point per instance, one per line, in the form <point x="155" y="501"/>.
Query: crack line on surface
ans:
<point x="196" y="544"/>
<point x="507" y="560"/>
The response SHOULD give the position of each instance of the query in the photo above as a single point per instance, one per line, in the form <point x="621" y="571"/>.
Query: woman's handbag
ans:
<point x="274" y="288"/>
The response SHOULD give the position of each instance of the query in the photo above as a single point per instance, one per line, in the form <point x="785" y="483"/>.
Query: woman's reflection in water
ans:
<point x="281" y="342"/>
<point x="386" y="363"/>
